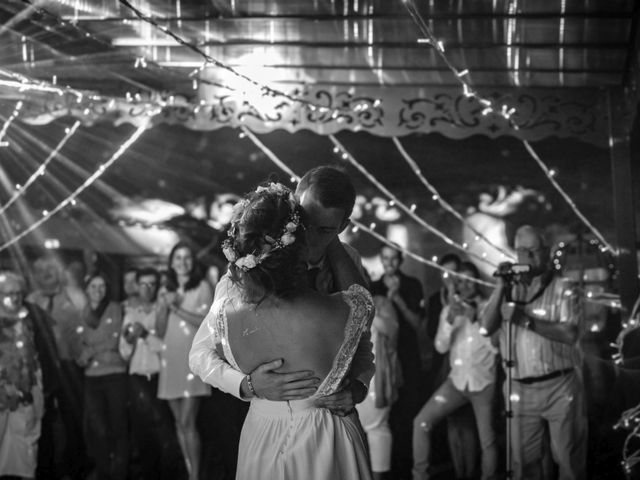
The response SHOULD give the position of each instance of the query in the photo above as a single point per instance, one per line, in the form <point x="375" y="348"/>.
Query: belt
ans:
<point x="542" y="378"/>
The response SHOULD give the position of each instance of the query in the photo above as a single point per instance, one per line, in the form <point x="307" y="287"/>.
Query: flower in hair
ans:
<point x="291" y="227"/>
<point x="229" y="252"/>
<point x="287" y="237"/>
<point x="276" y="188"/>
<point x="248" y="262"/>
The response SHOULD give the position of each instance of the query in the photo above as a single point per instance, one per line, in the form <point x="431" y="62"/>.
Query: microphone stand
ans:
<point x="509" y="365"/>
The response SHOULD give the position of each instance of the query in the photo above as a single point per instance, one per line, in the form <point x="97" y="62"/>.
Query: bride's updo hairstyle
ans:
<point x="266" y="244"/>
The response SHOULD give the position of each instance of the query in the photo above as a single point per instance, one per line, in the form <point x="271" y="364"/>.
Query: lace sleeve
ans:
<point x="361" y="314"/>
<point x="361" y="303"/>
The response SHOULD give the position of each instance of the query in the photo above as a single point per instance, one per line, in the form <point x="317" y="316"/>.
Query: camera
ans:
<point x="507" y="271"/>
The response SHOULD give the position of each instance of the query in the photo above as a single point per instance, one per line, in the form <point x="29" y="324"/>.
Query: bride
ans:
<point x="277" y="315"/>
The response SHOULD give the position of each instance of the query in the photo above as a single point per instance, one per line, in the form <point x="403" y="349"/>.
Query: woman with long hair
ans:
<point x="273" y="313"/>
<point x="184" y="302"/>
<point x="472" y="378"/>
<point x="105" y="383"/>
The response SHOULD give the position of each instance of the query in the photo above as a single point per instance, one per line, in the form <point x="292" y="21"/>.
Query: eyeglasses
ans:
<point x="148" y="284"/>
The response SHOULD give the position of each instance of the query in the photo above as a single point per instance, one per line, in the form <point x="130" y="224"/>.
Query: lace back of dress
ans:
<point x="361" y="312"/>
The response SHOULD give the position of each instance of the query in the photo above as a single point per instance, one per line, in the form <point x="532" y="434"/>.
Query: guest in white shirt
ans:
<point x="471" y="380"/>
<point x="153" y="434"/>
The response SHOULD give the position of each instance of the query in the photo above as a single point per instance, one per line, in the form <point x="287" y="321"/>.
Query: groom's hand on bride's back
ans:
<point x="277" y="386"/>
<point x="345" y="399"/>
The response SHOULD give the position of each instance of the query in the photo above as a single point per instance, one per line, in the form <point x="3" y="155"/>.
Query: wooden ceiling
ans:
<point x="95" y="44"/>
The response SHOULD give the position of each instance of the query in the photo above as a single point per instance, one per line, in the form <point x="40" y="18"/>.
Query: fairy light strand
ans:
<point x="443" y="203"/>
<point x="71" y="198"/>
<point x="409" y="211"/>
<point x="41" y="169"/>
<point x="272" y="156"/>
<point x="504" y="111"/>
<point x="417" y="257"/>
<point x="567" y="198"/>
<point x="629" y="420"/>
<point x="24" y="83"/>
<point x="12" y="117"/>
<point x="294" y="177"/>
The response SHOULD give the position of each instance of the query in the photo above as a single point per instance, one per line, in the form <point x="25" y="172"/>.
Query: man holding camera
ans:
<point x="543" y="313"/>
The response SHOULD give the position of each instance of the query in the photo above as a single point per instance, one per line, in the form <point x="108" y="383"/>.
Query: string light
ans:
<point x="21" y="190"/>
<point x="629" y="420"/>
<point x="444" y="204"/>
<point x="272" y="156"/>
<point x="418" y="258"/>
<point x="567" y="198"/>
<point x="23" y="83"/>
<point x="46" y="215"/>
<point x="402" y="206"/>
<point x="5" y="127"/>
<point x="359" y="226"/>
<point x="505" y="111"/>
<point x="430" y="39"/>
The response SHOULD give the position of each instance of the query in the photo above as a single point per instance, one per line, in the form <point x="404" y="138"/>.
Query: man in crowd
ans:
<point x="130" y="288"/>
<point x="406" y="294"/>
<point x="327" y="197"/>
<point x="152" y="427"/>
<point x="65" y="311"/>
<point x="543" y="312"/>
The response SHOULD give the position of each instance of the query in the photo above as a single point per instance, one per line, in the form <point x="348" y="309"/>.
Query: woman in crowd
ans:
<point x="183" y="303"/>
<point x="105" y="385"/>
<point x="383" y="390"/>
<point x="276" y="315"/>
<point x="472" y="377"/>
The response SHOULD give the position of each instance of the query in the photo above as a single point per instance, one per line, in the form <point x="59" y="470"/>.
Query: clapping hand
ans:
<point x="171" y="300"/>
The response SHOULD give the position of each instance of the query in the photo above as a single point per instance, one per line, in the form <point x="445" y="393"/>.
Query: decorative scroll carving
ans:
<point x="382" y="111"/>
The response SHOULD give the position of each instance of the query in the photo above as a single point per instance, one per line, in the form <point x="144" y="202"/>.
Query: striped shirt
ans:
<point x="535" y="355"/>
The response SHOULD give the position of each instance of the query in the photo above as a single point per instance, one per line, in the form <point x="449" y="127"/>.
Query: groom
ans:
<point x="327" y="196"/>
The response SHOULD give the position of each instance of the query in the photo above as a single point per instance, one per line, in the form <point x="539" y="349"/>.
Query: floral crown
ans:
<point x="287" y="237"/>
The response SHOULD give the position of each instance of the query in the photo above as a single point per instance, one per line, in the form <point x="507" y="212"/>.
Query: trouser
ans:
<point x="559" y="405"/>
<point x="444" y="401"/>
<point x="463" y="441"/>
<point x="106" y="425"/>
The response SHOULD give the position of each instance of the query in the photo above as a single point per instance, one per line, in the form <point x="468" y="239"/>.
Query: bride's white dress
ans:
<point x="294" y="440"/>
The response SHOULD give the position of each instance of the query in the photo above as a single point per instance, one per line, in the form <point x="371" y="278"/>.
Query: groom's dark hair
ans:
<point x="331" y="185"/>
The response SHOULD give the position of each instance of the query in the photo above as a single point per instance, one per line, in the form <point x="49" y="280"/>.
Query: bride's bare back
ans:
<point x="306" y="332"/>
